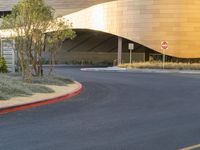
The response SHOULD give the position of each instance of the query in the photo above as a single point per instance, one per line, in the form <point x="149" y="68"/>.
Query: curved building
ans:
<point x="146" y="22"/>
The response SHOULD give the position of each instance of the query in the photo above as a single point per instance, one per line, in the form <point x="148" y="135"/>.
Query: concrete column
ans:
<point x="119" y="54"/>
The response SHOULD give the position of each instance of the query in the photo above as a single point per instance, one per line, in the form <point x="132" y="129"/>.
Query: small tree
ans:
<point x="55" y="39"/>
<point x="30" y="21"/>
<point x="3" y="66"/>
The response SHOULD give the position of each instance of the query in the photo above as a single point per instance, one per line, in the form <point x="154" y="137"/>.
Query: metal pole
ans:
<point x="130" y="56"/>
<point x="163" y="59"/>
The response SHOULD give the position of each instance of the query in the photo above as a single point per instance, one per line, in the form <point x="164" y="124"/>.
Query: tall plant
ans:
<point x="30" y="21"/>
<point x="3" y="66"/>
<point x="55" y="39"/>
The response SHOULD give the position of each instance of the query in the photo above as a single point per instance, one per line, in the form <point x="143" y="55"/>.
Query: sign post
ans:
<point x="131" y="48"/>
<point x="164" y="46"/>
<point x="8" y="52"/>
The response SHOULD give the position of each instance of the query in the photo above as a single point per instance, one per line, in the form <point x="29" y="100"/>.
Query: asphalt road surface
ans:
<point x="116" y="111"/>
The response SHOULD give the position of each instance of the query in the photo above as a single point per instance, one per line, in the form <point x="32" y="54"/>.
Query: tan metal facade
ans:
<point x="147" y="22"/>
<point x="62" y="7"/>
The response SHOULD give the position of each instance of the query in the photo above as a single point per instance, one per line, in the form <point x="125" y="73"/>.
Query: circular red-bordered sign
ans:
<point x="164" y="45"/>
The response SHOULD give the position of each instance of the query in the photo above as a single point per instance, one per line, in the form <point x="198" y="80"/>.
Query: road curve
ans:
<point x="116" y="111"/>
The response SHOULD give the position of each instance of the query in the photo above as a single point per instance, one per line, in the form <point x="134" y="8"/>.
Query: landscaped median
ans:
<point x="159" y="65"/>
<point x="19" y="95"/>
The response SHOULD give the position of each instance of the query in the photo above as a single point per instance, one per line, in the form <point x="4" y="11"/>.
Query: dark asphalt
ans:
<point x="116" y="111"/>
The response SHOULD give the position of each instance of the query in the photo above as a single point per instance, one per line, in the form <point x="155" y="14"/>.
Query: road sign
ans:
<point x="131" y="46"/>
<point x="164" y="45"/>
<point x="8" y="52"/>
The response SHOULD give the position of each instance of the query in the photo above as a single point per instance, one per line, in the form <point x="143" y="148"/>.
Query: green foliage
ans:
<point x="35" y="28"/>
<point x="27" y="15"/>
<point x="62" y="31"/>
<point x="3" y="66"/>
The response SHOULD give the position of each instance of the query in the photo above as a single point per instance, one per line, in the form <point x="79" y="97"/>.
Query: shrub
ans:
<point x="3" y="66"/>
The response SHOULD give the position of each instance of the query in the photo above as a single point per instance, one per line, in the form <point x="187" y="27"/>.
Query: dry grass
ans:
<point x="12" y="86"/>
<point x="159" y="65"/>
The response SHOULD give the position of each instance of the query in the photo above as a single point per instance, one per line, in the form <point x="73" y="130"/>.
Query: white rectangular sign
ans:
<point x="131" y="46"/>
<point x="8" y="52"/>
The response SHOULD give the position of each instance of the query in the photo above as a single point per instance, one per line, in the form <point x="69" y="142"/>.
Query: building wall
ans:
<point x="62" y="7"/>
<point x="147" y="22"/>
<point x="96" y="58"/>
<point x="97" y="48"/>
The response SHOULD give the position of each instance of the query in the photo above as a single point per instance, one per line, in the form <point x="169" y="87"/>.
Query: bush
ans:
<point x="3" y="66"/>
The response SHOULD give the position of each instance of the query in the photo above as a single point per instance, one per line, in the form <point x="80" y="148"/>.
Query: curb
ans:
<point x="166" y="71"/>
<point x="42" y="102"/>
<point x="109" y="69"/>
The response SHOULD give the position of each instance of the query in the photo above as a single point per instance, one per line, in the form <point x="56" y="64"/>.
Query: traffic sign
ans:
<point x="131" y="46"/>
<point x="164" y="45"/>
<point x="8" y="52"/>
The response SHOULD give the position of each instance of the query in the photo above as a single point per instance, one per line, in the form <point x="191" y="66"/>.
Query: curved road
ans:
<point x="116" y="111"/>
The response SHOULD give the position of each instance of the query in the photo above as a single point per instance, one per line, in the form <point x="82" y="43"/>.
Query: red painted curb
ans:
<point x="43" y="102"/>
